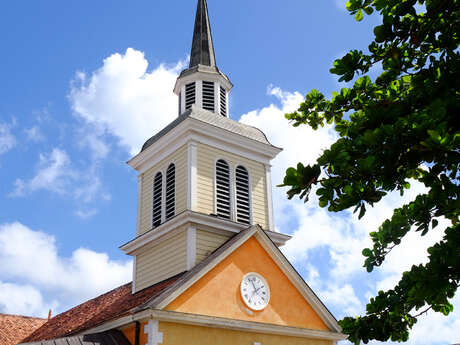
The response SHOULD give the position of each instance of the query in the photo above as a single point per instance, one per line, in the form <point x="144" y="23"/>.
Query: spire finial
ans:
<point x="202" y="46"/>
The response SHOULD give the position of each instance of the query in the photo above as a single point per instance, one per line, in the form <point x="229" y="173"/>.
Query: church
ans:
<point x="207" y="268"/>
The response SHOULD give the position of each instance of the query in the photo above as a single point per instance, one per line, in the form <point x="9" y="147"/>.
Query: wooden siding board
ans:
<point x="207" y="242"/>
<point x="161" y="261"/>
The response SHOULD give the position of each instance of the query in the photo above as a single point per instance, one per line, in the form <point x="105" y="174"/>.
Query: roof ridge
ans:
<point x="24" y="316"/>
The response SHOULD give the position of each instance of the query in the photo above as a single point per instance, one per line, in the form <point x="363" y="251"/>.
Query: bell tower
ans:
<point x="203" y="178"/>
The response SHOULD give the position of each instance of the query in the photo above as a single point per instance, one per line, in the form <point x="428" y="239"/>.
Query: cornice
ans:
<point x="217" y="322"/>
<point x="197" y="219"/>
<point x="192" y="129"/>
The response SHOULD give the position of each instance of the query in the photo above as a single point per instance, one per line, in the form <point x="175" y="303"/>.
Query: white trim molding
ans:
<point x="192" y="157"/>
<point x="268" y="185"/>
<point x="218" y="322"/>
<point x="133" y="285"/>
<point x="191" y="247"/>
<point x="154" y="336"/>
<point x="139" y="203"/>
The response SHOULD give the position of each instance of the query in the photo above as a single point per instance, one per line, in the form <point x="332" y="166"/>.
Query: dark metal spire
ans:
<point x="202" y="46"/>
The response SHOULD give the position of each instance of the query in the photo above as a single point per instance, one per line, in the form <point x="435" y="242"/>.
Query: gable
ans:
<point x="217" y="292"/>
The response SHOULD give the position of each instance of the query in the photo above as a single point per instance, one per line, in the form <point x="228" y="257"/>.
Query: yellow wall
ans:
<point x="162" y="261"/>
<point x="179" y="334"/>
<point x="207" y="242"/>
<point x="179" y="158"/>
<point x="207" y="156"/>
<point x="218" y="292"/>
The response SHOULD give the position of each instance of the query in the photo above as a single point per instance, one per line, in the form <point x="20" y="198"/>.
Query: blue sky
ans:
<point x="85" y="83"/>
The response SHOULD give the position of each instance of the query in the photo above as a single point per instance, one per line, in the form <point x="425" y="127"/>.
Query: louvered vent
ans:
<point x="223" y="189"/>
<point x="157" y="199"/>
<point x="208" y="95"/>
<point x="223" y="102"/>
<point x="243" y="210"/>
<point x="180" y="102"/>
<point x="170" y="191"/>
<point x="190" y="92"/>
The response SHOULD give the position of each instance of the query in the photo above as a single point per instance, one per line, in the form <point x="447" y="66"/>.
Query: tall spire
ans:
<point x="202" y="46"/>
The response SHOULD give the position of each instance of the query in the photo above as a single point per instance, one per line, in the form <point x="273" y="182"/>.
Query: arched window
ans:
<point x="157" y="199"/>
<point x="223" y="208"/>
<point x="170" y="191"/>
<point x="243" y="203"/>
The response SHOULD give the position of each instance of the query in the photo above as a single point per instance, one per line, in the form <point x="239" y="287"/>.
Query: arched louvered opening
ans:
<point x="208" y="95"/>
<point x="170" y="191"/>
<point x="157" y="199"/>
<point x="223" y="102"/>
<point x="223" y="208"/>
<point x="190" y="93"/>
<point x="243" y="202"/>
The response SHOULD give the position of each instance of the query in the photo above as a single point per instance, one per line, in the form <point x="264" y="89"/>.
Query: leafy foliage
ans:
<point x="403" y="126"/>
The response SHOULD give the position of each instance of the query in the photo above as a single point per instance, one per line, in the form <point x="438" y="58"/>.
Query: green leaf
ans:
<point x="367" y="252"/>
<point x="369" y="10"/>
<point x="362" y="212"/>
<point x="323" y="203"/>
<point x="359" y="15"/>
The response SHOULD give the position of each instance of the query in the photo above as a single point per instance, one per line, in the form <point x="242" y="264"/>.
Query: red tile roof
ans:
<point x="14" y="328"/>
<point x="107" y="307"/>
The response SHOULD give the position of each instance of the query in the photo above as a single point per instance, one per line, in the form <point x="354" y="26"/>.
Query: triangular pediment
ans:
<point x="213" y="287"/>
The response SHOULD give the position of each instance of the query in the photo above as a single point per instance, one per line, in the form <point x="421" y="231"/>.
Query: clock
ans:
<point x="255" y="291"/>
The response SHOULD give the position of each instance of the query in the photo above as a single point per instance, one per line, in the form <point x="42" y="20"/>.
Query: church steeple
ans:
<point x="203" y="85"/>
<point x="202" y="46"/>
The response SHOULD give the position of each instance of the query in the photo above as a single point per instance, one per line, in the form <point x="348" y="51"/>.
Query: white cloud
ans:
<point x="23" y="300"/>
<point x="34" y="134"/>
<point x="124" y="99"/>
<point x="89" y="139"/>
<point x="32" y="257"/>
<point x="54" y="174"/>
<point x="86" y="214"/>
<point x="7" y="139"/>
<point x="343" y="297"/>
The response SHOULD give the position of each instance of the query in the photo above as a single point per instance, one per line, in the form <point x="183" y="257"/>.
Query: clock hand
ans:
<point x="253" y="285"/>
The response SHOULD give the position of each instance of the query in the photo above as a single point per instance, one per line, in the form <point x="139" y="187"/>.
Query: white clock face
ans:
<point x="255" y="291"/>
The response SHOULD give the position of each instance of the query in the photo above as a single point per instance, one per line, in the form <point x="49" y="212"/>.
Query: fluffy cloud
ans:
<point x="23" y="300"/>
<point x="31" y="258"/>
<point x="7" y="139"/>
<point x="124" y="99"/>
